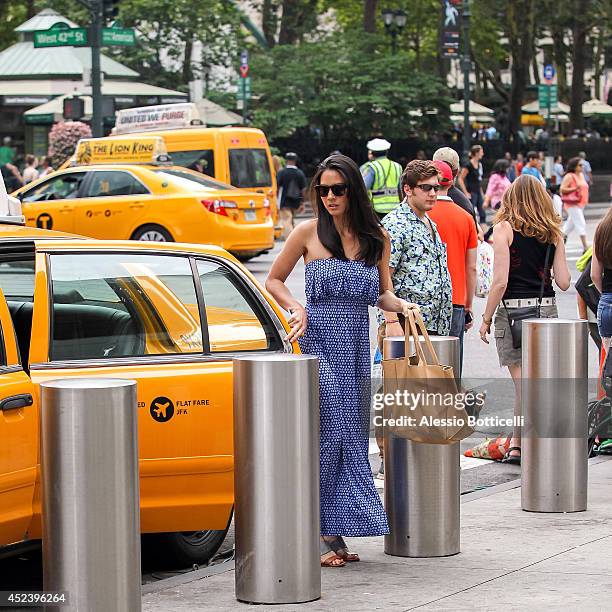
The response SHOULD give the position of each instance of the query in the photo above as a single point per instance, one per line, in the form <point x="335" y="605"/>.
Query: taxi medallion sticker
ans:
<point x="162" y="409"/>
<point x="44" y="221"/>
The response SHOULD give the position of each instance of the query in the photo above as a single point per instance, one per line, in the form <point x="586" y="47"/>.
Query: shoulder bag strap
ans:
<point x="412" y="332"/>
<point x="543" y="278"/>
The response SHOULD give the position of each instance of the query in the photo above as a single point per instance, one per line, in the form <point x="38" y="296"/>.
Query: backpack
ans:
<point x="293" y="190"/>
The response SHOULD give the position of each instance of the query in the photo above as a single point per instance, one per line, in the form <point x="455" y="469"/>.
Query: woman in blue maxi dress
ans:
<point x="347" y="269"/>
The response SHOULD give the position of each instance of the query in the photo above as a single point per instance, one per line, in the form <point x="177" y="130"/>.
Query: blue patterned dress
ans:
<point x="338" y="295"/>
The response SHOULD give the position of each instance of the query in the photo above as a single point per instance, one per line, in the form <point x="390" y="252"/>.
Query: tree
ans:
<point x="299" y="17"/>
<point x="369" y="15"/>
<point x="356" y="95"/>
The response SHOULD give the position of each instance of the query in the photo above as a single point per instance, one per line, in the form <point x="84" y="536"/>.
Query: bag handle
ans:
<point x="420" y="323"/>
<point x="417" y="326"/>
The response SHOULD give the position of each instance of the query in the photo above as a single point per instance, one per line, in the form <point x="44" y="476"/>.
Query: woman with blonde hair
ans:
<point x="528" y="243"/>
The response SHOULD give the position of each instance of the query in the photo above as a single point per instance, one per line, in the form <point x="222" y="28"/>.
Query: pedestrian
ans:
<point x="451" y="157"/>
<point x="520" y="162"/>
<point x="586" y="169"/>
<point x="45" y="167"/>
<point x="381" y="176"/>
<point x="511" y="166"/>
<point x="558" y="170"/>
<point x="497" y="185"/>
<point x="470" y="181"/>
<point x="458" y="233"/>
<point x="534" y="167"/>
<point x="291" y="183"/>
<point x="575" y="195"/>
<point x="346" y="253"/>
<point x="601" y="274"/>
<point x="7" y="153"/>
<point x="11" y="176"/>
<point x="30" y="173"/>
<point x="527" y="242"/>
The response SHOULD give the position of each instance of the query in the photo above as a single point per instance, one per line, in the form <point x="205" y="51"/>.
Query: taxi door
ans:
<point x="112" y="203"/>
<point x="137" y="315"/>
<point x="18" y="437"/>
<point x="50" y="203"/>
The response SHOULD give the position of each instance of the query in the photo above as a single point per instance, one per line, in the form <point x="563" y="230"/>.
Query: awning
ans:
<point x="473" y="118"/>
<point x="534" y="107"/>
<point x="214" y="115"/>
<point x="129" y="91"/>
<point x="457" y="108"/>
<point x="596" y="107"/>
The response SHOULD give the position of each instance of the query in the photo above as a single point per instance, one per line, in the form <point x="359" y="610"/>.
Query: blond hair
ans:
<point x="529" y="210"/>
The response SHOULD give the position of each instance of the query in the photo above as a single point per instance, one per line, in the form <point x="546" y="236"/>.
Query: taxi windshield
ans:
<point x="193" y="182"/>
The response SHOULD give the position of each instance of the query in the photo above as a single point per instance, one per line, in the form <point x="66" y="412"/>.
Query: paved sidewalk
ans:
<point x="509" y="560"/>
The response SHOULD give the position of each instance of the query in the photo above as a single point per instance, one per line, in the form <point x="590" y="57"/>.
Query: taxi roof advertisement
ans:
<point x="118" y="150"/>
<point x="169" y="116"/>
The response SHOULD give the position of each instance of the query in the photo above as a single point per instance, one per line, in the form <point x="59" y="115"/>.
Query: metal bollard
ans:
<point x="276" y="478"/>
<point x="554" y="470"/>
<point x="422" y="480"/>
<point x="91" y="512"/>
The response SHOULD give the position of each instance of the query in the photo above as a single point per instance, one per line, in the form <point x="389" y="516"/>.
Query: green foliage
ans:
<point x="13" y="14"/>
<point x="343" y="87"/>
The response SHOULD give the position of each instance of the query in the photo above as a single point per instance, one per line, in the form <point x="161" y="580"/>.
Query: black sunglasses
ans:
<point x="427" y="187"/>
<point x="339" y="189"/>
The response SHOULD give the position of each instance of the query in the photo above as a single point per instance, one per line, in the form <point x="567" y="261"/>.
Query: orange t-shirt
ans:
<point x="458" y="232"/>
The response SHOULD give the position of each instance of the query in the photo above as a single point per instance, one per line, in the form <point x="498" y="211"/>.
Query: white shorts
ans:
<point x="575" y="220"/>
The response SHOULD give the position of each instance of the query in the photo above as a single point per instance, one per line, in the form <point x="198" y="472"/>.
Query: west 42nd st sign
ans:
<point x="60" y="35"/>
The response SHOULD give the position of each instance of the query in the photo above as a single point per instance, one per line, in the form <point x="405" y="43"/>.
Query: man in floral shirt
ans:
<point x="418" y="256"/>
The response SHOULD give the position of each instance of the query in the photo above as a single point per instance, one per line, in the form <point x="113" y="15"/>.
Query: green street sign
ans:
<point x="124" y="37"/>
<point x="544" y="93"/>
<point x="244" y="89"/>
<point x="61" y="35"/>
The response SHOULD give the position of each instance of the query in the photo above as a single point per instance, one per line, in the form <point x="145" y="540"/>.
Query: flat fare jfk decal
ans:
<point x="162" y="408"/>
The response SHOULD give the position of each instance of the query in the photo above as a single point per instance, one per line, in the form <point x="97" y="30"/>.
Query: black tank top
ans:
<point x="527" y="257"/>
<point x="606" y="283"/>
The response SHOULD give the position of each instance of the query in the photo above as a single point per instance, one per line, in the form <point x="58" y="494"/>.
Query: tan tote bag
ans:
<point x="421" y="399"/>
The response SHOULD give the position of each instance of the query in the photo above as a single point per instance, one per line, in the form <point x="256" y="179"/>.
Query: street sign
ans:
<point x="244" y="89"/>
<point x="451" y="24"/>
<point x="124" y="37"/>
<point x="244" y="57"/>
<point x="549" y="72"/>
<point x="547" y="95"/>
<point x="244" y="70"/>
<point x="60" y="35"/>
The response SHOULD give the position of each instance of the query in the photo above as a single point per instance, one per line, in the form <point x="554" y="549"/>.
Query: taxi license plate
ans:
<point x="250" y="215"/>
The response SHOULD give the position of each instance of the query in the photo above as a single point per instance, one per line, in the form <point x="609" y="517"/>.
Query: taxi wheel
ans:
<point x="153" y="233"/>
<point x="182" y="549"/>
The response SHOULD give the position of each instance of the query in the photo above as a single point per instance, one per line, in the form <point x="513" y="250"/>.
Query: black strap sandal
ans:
<point x="512" y="459"/>
<point x="341" y="549"/>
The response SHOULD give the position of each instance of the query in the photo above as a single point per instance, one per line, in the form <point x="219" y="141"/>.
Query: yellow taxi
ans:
<point x="170" y="316"/>
<point x="237" y="155"/>
<point x="119" y="189"/>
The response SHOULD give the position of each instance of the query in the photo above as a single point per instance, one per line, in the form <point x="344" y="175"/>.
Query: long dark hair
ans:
<point x="572" y="165"/>
<point x="362" y="220"/>
<point x="500" y="167"/>
<point x="603" y="240"/>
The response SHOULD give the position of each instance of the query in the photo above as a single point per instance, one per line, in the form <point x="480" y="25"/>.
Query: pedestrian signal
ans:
<point x="74" y="108"/>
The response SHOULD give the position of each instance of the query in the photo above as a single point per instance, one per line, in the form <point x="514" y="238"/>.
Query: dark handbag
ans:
<point x="518" y="315"/>
<point x="587" y="290"/>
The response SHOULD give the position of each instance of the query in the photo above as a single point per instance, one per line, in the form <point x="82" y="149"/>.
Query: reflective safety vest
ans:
<point x="383" y="193"/>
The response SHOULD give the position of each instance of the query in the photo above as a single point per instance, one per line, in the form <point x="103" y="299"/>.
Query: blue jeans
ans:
<point x="604" y="315"/>
<point x="457" y="329"/>
<point x="477" y="203"/>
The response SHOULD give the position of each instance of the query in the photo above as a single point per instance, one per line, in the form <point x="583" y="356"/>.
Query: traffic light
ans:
<point x="110" y="9"/>
<point x="74" y="108"/>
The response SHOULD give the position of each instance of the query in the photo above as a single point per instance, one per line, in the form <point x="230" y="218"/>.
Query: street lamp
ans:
<point x="466" y="65"/>
<point x="395" y="22"/>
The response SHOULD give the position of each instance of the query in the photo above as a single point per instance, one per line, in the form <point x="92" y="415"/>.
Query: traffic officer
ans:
<point x="381" y="177"/>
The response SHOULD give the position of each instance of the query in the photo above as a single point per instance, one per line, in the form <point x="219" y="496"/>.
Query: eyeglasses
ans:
<point x="427" y="187"/>
<point x="339" y="189"/>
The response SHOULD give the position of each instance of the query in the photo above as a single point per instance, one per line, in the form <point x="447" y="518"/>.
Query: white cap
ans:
<point x="378" y="144"/>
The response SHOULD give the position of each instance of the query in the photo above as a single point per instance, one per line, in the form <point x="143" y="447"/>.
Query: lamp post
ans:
<point x="466" y="64"/>
<point x="395" y="22"/>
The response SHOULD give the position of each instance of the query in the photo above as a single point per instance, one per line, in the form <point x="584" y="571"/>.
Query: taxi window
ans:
<point x="235" y="323"/>
<point x="17" y="280"/>
<point x="202" y="161"/>
<point x="249" y="168"/>
<point x="114" y="183"/>
<point x="123" y="305"/>
<point x="63" y="187"/>
<point x="186" y="179"/>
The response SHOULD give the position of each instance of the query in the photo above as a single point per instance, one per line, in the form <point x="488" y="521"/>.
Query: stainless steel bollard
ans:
<point x="91" y="510"/>
<point x="422" y="480"/>
<point x="276" y="478"/>
<point x="554" y="471"/>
